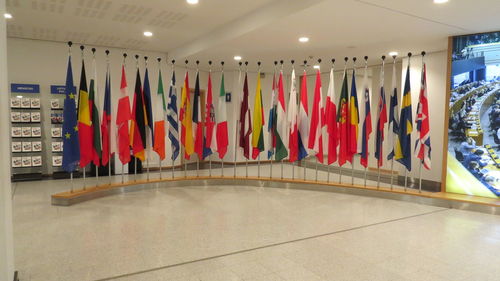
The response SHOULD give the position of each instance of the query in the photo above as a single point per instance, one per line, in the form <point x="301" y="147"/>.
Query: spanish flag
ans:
<point x="186" y="113"/>
<point x="403" y="143"/>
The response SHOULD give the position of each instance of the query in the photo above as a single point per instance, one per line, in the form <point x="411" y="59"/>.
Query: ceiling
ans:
<point x="264" y="30"/>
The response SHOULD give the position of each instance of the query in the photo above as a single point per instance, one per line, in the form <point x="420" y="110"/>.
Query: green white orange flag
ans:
<point x="160" y="125"/>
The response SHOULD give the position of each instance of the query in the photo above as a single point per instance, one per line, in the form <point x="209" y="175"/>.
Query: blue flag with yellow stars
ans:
<point x="71" y="147"/>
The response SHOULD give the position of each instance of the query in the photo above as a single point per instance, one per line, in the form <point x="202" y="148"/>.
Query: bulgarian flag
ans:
<point x="123" y="116"/>
<point x="317" y="121"/>
<point x="185" y="116"/>
<point x="94" y="113"/>
<point x="209" y="144"/>
<point x="293" y="140"/>
<point x="160" y="125"/>
<point x="281" y="130"/>
<point x="222" y="132"/>
<point x="258" y="122"/>
<point x="331" y="121"/>
<point x="84" y="122"/>
<point x="303" y="120"/>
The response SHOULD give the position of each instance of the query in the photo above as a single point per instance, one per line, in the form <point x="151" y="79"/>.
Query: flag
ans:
<point x="71" y="152"/>
<point x="331" y="121"/>
<point x="160" y="125"/>
<point x="123" y="116"/>
<point x="293" y="139"/>
<point x="173" y="128"/>
<point x="84" y="122"/>
<point x="393" y="116"/>
<point x="423" y="144"/>
<point x="303" y="119"/>
<point x="197" y="122"/>
<point x="353" y="120"/>
<point x="107" y="150"/>
<point x="94" y="113"/>
<point x="271" y="124"/>
<point x="185" y="116"/>
<point x="137" y="127"/>
<point x="221" y="117"/>
<point x="381" y="120"/>
<point x="148" y="112"/>
<point x="209" y="145"/>
<point x="317" y="121"/>
<point x="367" y="122"/>
<point x="281" y="128"/>
<point x="342" y="116"/>
<point x="245" y="122"/>
<point x="258" y="122"/>
<point x="403" y="149"/>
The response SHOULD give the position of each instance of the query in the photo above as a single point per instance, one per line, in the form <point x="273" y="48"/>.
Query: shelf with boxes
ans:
<point x="26" y="132"/>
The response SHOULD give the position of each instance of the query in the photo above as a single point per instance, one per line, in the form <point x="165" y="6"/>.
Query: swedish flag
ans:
<point x="403" y="145"/>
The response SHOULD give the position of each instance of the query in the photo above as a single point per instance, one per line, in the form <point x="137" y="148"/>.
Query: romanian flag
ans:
<point x="353" y="120"/>
<point x="403" y="146"/>
<point x="137" y="127"/>
<point x="160" y="125"/>
<point x="258" y="122"/>
<point x="185" y="116"/>
<point x="342" y="116"/>
<point x="84" y="122"/>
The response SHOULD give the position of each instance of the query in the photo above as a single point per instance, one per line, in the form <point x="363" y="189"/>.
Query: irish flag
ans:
<point x="160" y="125"/>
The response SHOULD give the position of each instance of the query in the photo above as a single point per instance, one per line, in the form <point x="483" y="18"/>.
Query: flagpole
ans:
<point x="281" y="63"/>
<point x="246" y="159"/>
<point x="110" y="114"/>
<point x="406" y="178"/>
<point x="222" y="159"/>
<point x="135" y="158"/>
<point x="293" y="163"/>
<point x="71" y="179"/>
<point x="95" y="102"/>
<point x="392" y="171"/>
<point x="237" y="124"/>
<point x="420" y="178"/>
<point x="392" y="159"/>
<point x="367" y="159"/>
<point x="84" y="183"/>
<point x="258" y="157"/>
<point x="185" y="162"/>
<point x="123" y="169"/>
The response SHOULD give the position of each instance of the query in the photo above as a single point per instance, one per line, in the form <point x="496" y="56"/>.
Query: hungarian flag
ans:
<point x="393" y="115"/>
<point x="210" y="141"/>
<point x="245" y="122"/>
<point x="94" y="113"/>
<point x="197" y="122"/>
<point x="317" y="121"/>
<point x="303" y="119"/>
<point x="331" y="121"/>
<point x="148" y="112"/>
<point x="258" y="122"/>
<point x="293" y="139"/>
<point x="342" y="116"/>
<point x="403" y="147"/>
<point x="173" y="128"/>
<point x="160" y="125"/>
<point x="271" y="123"/>
<point x="353" y="120"/>
<point x="381" y="120"/>
<point x="138" y="125"/>
<point x="281" y="128"/>
<point x="123" y="116"/>
<point x="71" y="152"/>
<point x="185" y="116"/>
<point x="367" y="122"/>
<point x="423" y="144"/>
<point x="107" y="150"/>
<point x="84" y="122"/>
<point x="221" y="117"/>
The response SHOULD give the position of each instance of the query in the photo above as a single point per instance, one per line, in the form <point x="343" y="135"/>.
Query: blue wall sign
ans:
<point x="59" y="89"/>
<point x="24" y="88"/>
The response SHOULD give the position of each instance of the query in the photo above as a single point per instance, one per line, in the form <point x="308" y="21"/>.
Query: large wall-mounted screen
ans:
<point x="473" y="162"/>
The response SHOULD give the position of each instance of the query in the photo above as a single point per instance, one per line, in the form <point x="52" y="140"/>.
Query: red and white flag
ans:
<point x="123" y="116"/>
<point x="423" y="144"/>
<point x="222" y="131"/>
<point x="293" y="139"/>
<point x="317" y="121"/>
<point x="331" y="121"/>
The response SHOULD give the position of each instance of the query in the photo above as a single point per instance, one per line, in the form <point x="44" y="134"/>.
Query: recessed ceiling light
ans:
<point x="440" y="1"/>
<point x="192" y="2"/>
<point x="316" y="67"/>
<point x="304" y="39"/>
<point x="19" y="97"/>
<point x="7" y="16"/>
<point x="237" y="58"/>
<point x="148" y="33"/>
<point x="393" y="54"/>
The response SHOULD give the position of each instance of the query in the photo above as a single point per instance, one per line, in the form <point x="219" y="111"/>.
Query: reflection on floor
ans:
<point x="247" y="233"/>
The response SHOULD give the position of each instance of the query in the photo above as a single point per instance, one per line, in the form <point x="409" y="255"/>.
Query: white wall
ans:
<point x="6" y="239"/>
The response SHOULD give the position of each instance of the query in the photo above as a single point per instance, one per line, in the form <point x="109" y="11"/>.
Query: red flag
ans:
<point x="123" y="116"/>
<point x="317" y="121"/>
<point x="331" y="121"/>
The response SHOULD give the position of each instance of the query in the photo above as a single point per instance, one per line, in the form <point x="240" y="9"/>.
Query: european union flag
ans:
<point x="403" y="147"/>
<point x="71" y="152"/>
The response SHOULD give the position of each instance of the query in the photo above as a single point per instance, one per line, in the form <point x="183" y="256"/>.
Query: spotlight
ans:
<point x="393" y="54"/>
<point x="7" y="16"/>
<point x="304" y="39"/>
<point x="148" y="33"/>
<point x="192" y="2"/>
<point x="237" y="58"/>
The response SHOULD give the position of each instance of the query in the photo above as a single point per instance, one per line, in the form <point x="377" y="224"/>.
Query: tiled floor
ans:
<point x="247" y="233"/>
